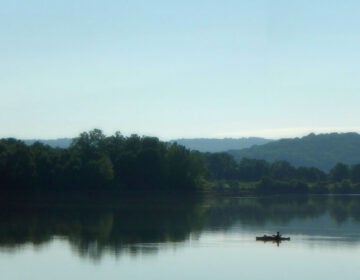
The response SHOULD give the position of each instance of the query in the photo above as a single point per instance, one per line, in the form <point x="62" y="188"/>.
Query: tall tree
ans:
<point x="339" y="172"/>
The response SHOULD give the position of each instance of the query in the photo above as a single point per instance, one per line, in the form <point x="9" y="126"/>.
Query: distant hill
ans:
<point x="56" y="143"/>
<point x="214" y="145"/>
<point x="200" y="144"/>
<point x="322" y="151"/>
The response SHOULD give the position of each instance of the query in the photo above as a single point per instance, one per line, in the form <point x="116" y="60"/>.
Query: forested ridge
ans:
<point x="211" y="145"/>
<point x="95" y="163"/>
<point x="322" y="151"/>
<point x="214" y="145"/>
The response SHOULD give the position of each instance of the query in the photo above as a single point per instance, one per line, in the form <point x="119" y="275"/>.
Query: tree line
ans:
<point x="281" y="176"/>
<point x="95" y="163"/>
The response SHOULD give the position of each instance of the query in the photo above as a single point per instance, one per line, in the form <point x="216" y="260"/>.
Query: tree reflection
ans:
<point x="133" y="225"/>
<point x="112" y="226"/>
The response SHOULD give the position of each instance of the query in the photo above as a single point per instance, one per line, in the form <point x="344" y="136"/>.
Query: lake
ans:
<point x="181" y="238"/>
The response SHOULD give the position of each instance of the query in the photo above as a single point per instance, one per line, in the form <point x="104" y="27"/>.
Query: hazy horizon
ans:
<point x="195" y="137"/>
<point x="188" y="69"/>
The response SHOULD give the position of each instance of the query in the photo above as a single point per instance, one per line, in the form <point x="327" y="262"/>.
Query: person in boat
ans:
<point x="278" y="235"/>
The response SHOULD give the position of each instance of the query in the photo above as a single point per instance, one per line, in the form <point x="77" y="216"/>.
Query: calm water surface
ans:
<point x="182" y="239"/>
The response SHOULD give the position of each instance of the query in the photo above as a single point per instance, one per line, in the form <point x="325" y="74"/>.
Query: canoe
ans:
<point x="272" y="238"/>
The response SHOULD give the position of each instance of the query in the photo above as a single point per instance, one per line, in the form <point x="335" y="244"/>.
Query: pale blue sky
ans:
<point x="179" y="68"/>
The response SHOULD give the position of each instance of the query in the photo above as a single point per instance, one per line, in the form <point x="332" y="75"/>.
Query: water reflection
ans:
<point x="93" y="229"/>
<point x="135" y="225"/>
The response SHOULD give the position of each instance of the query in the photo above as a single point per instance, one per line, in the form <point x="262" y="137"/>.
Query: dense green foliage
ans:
<point x="280" y="177"/>
<point x="224" y="166"/>
<point x="322" y="151"/>
<point x="95" y="162"/>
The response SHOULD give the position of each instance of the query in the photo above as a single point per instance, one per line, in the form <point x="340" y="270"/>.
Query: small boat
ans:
<point x="274" y="238"/>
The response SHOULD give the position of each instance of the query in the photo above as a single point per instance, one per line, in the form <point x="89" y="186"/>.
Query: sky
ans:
<point x="174" y="69"/>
